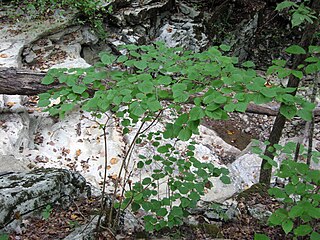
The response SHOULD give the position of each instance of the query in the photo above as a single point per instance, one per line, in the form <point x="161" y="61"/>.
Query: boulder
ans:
<point x="22" y="193"/>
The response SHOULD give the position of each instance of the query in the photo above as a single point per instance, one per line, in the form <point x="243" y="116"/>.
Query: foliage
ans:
<point x="46" y="212"/>
<point x="4" y="237"/>
<point x="299" y="12"/>
<point x="186" y="178"/>
<point x="152" y="79"/>
<point x="90" y="11"/>
<point x="300" y="194"/>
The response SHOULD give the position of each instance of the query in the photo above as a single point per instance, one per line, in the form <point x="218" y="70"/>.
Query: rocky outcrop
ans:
<point x="23" y="193"/>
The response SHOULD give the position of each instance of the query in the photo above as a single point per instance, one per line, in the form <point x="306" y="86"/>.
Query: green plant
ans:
<point x="46" y="212"/>
<point x="154" y="79"/>
<point x="300" y="195"/>
<point x="89" y="11"/>
<point x="295" y="74"/>
<point x="4" y="237"/>
<point x="299" y="12"/>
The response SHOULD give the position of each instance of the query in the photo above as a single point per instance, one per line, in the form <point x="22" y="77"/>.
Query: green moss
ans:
<point x="212" y="230"/>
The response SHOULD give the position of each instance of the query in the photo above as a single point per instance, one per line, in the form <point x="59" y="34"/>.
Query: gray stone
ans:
<point x="191" y="12"/>
<point x="30" y="58"/>
<point x="22" y="193"/>
<point x="11" y="164"/>
<point x="260" y="212"/>
<point x="84" y="232"/>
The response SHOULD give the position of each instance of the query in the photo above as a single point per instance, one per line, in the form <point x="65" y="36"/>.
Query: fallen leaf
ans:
<point x="78" y="152"/>
<point x="229" y="132"/>
<point x="10" y="104"/>
<point x="108" y="167"/>
<point x="3" y="55"/>
<point x="113" y="161"/>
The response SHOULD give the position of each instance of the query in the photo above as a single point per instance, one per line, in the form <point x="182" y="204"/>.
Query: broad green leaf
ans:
<point x="248" y="64"/>
<point x="185" y="134"/>
<point x="43" y="103"/>
<point x="314" y="49"/>
<point x="298" y="74"/>
<point x="106" y="58"/>
<point x="296" y="211"/>
<point x="196" y="113"/>
<point x="141" y="65"/>
<point x="258" y="236"/>
<point x="47" y="80"/>
<point x="314" y="236"/>
<point x="182" y="119"/>
<point x="287" y="226"/>
<point x="79" y="89"/>
<point x="225" y="47"/>
<point x="146" y="181"/>
<point x="289" y="111"/>
<point x="285" y="4"/>
<point x="164" y="80"/>
<point x="146" y="87"/>
<point x="312" y="68"/>
<point x="303" y="230"/>
<point x="154" y="105"/>
<point x="161" y="212"/>
<point x="225" y="179"/>
<point x="295" y="49"/>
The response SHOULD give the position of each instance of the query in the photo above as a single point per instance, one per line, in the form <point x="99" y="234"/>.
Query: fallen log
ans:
<point x="25" y="82"/>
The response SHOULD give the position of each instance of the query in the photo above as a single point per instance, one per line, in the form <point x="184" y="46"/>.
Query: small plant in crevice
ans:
<point x="46" y="212"/>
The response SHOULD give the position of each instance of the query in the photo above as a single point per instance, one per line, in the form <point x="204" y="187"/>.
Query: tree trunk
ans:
<point x="276" y="132"/>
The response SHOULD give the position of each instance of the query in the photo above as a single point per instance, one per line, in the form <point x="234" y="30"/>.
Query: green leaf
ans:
<point x="225" y="179"/>
<point x="248" y="64"/>
<point x="298" y="74"/>
<point x="122" y="58"/>
<point x="44" y="103"/>
<point x="79" y="89"/>
<point x="146" y="181"/>
<point x="140" y="164"/>
<point x="4" y="237"/>
<point x="47" y="80"/>
<point x="141" y="65"/>
<point x="314" y="236"/>
<point x="164" y="80"/>
<point x="163" y="149"/>
<point x="277" y="192"/>
<point x="303" y="230"/>
<point x="154" y="105"/>
<point x="296" y="211"/>
<point x="285" y="4"/>
<point x="106" y="58"/>
<point x="196" y="113"/>
<point x="185" y="134"/>
<point x="182" y="119"/>
<point x="312" y="68"/>
<point x="314" y="49"/>
<point x="161" y="212"/>
<point x="258" y="236"/>
<point x="67" y="107"/>
<point x="295" y="49"/>
<point x="225" y="47"/>
<point x="289" y="111"/>
<point x="149" y="227"/>
<point x="146" y="87"/>
<point x="176" y="211"/>
<point x="287" y="226"/>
